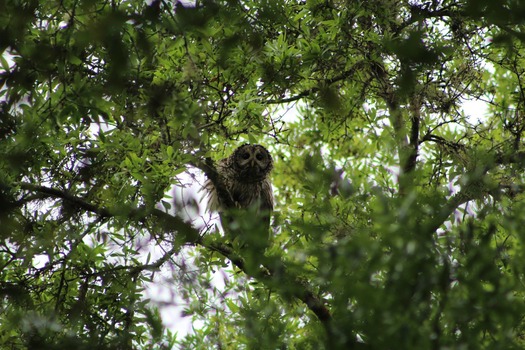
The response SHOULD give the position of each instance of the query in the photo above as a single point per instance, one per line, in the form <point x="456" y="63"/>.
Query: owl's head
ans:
<point x="252" y="162"/>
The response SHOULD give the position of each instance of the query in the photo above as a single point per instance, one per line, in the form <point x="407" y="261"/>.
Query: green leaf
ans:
<point x="398" y="206"/>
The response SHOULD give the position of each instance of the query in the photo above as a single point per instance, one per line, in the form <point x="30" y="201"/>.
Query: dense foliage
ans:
<point x="399" y="218"/>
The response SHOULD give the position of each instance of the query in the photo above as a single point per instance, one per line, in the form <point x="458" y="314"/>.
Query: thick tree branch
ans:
<point x="169" y="222"/>
<point x="271" y="276"/>
<point x="274" y="276"/>
<point x="474" y="188"/>
<point x="432" y="224"/>
<point x="397" y="119"/>
<point x="53" y="192"/>
<point x="267" y="274"/>
<point x="415" y="120"/>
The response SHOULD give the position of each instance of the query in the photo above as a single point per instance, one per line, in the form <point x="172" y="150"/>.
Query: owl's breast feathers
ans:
<point x="244" y="192"/>
<point x="246" y="184"/>
<point x="247" y="194"/>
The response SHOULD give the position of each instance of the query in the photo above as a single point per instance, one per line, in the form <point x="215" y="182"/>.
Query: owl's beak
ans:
<point x="252" y="163"/>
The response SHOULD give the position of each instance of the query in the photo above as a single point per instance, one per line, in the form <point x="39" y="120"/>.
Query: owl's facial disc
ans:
<point x="253" y="162"/>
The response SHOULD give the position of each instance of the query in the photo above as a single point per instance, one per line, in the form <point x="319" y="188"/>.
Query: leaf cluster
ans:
<point x="399" y="214"/>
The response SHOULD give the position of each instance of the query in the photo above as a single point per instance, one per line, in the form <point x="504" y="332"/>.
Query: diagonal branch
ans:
<point x="266" y="274"/>
<point x="275" y="276"/>
<point x="187" y="234"/>
<point x="474" y="188"/>
<point x="432" y="224"/>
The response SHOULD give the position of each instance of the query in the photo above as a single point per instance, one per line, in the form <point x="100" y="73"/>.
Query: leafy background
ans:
<point x="399" y="217"/>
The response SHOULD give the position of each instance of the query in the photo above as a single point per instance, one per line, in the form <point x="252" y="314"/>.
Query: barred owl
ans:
<point x="245" y="175"/>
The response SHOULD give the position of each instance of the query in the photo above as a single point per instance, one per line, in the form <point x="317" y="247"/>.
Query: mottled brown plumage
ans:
<point x="246" y="177"/>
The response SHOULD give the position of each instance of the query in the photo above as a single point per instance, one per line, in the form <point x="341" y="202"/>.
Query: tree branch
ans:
<point x="135" y="269"/>
<point x="53" y="192"/>
<point x="169" y="222"/>
<point x="189" y="235"/>
<point x="415" y="119"/>
<point x="431" y="225"/>
<point x="418" y="12"/>
<point x="315" y="89"/>
<point x="474" y="188"/>
<point x="274" y="276"/>
<point x="299" y="96"/>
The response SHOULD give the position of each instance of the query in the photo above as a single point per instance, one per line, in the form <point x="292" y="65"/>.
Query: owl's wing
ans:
<point x="267" y="200"/>
<point x="267" y="204"/>
<point x="214" y="202"/>
<point x="211" y="196"/>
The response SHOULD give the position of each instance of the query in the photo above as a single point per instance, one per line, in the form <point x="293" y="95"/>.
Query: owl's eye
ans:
<point x="259" y="156"/>
<point x="245" y="156"/>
